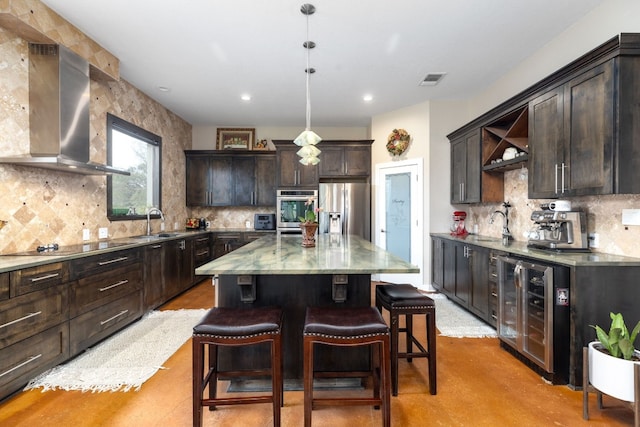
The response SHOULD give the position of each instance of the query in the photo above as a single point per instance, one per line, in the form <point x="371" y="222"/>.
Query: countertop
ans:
<point x="12" y="262"/>
<point x="518" y="248"/>
<point x="284" y="254"/>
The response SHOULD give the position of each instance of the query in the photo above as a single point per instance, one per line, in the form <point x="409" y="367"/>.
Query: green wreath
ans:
<point x="398" y="141"/>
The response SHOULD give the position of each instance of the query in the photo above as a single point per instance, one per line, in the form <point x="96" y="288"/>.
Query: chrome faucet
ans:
<point x="506" y="234"/>
<point x="149" y="218"/>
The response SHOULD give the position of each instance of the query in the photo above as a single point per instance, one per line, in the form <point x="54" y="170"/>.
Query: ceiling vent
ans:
<point x="432" y="79"/>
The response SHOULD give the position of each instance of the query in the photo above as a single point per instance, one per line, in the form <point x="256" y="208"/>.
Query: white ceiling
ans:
<point x="210" y="52"/>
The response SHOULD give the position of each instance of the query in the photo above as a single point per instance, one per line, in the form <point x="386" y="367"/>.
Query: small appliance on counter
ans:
<point x="264" y="222"/>
<point x="457" y="225"/>
<point x="193" y="224"/>
<point x="560" y="231"/>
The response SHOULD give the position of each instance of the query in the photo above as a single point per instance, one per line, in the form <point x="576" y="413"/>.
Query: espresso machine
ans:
<point x="560" y="231"/>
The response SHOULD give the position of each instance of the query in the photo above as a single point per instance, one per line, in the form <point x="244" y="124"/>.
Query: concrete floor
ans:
<point x="478" y="385"/>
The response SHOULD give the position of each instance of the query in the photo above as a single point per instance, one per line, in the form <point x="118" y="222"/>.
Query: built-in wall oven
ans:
<point x="533" y="314"/>
<point x="290" y="206"/>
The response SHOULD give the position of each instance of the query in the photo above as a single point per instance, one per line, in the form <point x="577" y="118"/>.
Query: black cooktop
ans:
<point x="54" y="249"/>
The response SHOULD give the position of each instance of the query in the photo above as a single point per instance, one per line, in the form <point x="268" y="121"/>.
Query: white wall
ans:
<point x="204" y="137"/>
<point x="609" y="19"/>
<point x="415" y="120"/>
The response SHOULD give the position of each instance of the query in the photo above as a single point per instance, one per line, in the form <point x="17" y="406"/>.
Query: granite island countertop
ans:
<point x="518" y="248"/>
<point x="284" y="254"/>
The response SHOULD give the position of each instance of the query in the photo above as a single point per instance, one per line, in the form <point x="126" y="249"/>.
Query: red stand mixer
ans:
<point x="457" y="226"/>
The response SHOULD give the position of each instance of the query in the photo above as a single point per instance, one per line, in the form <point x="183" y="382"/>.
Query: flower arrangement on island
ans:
<point x="398" y="141"/>
<point x="310" y="213"/>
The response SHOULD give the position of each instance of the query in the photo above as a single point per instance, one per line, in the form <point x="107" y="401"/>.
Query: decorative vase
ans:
<point x="308" y="234"/>
<point x="611" y="375"/>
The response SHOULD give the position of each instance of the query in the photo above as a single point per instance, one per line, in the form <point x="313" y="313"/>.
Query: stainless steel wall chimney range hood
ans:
<point x="59" y="113"/>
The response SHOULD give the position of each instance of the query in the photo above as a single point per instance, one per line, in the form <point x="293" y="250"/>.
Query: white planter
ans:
<point x="611" y="375"/>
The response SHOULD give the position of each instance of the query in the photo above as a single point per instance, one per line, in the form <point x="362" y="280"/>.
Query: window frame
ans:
<point x="123" y="126"/>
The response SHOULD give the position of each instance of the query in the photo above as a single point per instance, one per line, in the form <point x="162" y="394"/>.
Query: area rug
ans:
<point x="454" y="321"/>
<point x="127" y="359"/>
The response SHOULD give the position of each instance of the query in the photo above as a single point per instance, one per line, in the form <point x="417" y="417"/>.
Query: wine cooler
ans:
<point x="533" y="314"/>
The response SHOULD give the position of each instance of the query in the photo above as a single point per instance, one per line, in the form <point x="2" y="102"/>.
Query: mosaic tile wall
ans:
<point x="44" y="206"/>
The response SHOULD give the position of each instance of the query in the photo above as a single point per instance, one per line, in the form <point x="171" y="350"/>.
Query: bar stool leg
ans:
<point x="308" y="380"/>
<point x="431" y="348"/>
<point x="409" y="332"/>
<point x="198" y="369"/>
<point x="385" y="374"/>
<point x="213" y="373"/>
<point x="395" y="331"/>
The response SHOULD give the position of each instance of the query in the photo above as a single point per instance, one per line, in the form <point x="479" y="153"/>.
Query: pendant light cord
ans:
<point x="308" y="71"/>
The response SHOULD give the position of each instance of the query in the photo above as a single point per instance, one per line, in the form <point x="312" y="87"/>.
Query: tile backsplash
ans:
<point x="43" y="206"/>
<point x="604" y="216"/>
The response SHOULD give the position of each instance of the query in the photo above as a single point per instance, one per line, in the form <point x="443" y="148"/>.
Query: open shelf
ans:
<point x="510" y="130"/>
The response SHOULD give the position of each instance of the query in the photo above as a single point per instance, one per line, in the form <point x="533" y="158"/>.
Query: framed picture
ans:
<point x="236" y="138"/>
<point x="260" y="144"/>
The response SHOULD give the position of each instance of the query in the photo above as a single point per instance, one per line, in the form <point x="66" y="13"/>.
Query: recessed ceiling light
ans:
<point x="164" y="89"/>
<point x="245" y="97"/>
<point x="368" y="98"/>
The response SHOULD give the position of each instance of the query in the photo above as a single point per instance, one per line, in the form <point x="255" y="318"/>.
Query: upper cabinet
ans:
<point x="505" y="142"/>
<point x="338" y="159"/>
<point x="345" y="159"/>
<point x="469" y="184"/>
<point x="290" y="172"/>
<point x="572" y="137"/>
<point x="223" y="178"/>
<point x="575" y="131"/>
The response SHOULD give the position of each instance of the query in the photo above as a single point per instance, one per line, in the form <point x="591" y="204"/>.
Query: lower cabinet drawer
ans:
<point x="95" y="325"/>
<point x="29" y="314"/>
<point x="26" y="359"/>
<point x="34" y="279"/>
<point x="96" y="290"/>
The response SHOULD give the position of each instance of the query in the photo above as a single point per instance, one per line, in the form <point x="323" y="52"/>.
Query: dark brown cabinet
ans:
<point x="466" y="168"/>
<point x="105" y="296"/>
<point x="461" y="272"/>
<point x="229" y="241"/>
<point x="290" y="172"/>
<point x="178" y="266"/>
<point x="571" y="136"/>
<point x="479" y="292"/>
<point x="345" y="159"/>
<point x="154" y="283"/>
<point x="216" y="178"/>
<point x="34" y="327"/>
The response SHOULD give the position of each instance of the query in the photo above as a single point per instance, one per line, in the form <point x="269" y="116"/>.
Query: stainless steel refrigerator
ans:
<point x="346" y="208"/>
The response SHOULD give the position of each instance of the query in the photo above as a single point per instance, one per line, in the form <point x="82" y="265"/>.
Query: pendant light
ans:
<point x="308" y="139"/>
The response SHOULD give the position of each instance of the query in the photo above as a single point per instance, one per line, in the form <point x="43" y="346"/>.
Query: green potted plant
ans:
<point x="612" y="359"/>
<point x="309" y="223"/>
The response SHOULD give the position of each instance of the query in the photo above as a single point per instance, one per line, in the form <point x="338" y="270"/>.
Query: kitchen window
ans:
<point x="137" y="151"/>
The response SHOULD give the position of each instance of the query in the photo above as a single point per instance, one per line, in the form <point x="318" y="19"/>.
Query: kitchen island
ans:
<point x="277" y="270"/>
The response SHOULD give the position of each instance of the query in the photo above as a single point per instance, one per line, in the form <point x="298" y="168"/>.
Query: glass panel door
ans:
<point x="508" y="301"/>
<point x="398" y="218"/>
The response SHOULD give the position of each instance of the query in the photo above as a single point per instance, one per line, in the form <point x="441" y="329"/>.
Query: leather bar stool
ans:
<point x="236" y="327"/>
<point x="358" y="326"/>
<point x="405" y="299"/>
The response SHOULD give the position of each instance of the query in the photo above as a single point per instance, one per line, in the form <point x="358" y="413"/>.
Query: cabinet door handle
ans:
<point x="563" y="186"/>
<point x="20" y="365"/>
<point x="115" y="285"/>
<point x="122" y="313"/>
<point x="556" y="178"/>
<point x="111" y="261"/>
<point x="463" y="196"/>
<point x="48" y="276"/>
<point x="13" y="322"/>
<point x="203" y="239"/>
<point x="156" y="246"/>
